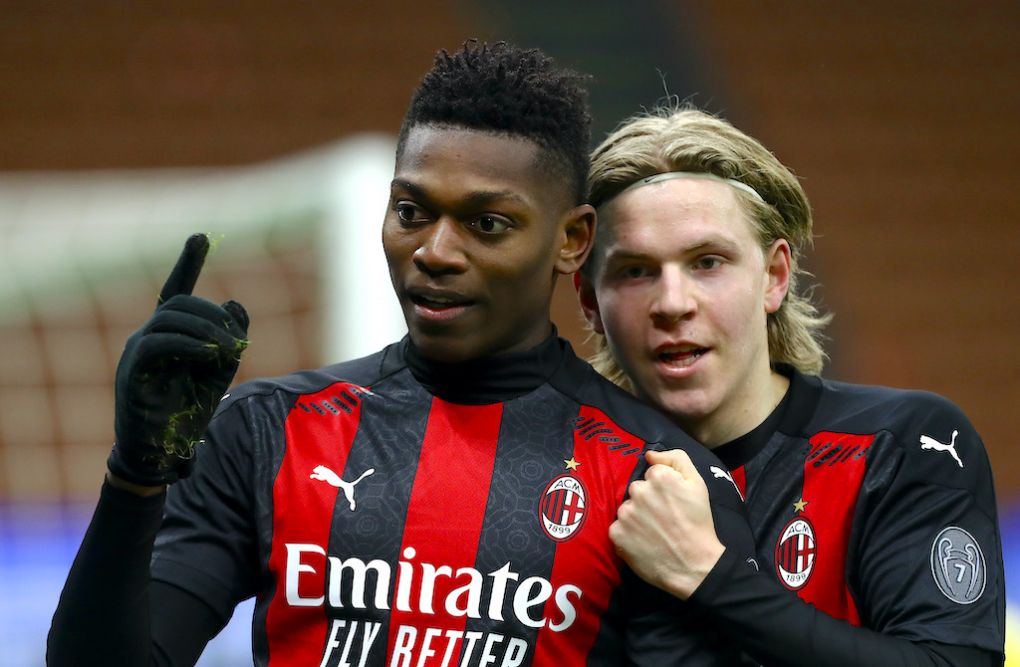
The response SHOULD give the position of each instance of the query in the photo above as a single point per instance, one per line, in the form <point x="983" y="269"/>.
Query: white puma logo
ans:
<point x="326" y="475"/>
<point x="928" y="442"/>
<point x="719" y="473"/>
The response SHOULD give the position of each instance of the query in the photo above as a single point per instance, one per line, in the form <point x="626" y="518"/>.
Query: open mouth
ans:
<point x="438" y="306"/>
<point x="680" y="356"/>
<point x="438" y="301"/>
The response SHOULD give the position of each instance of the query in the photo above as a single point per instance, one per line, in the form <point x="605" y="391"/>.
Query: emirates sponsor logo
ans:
<point x="353" y="583"/>
<point x="563" y="507"/>
<point x="795" y="553"/>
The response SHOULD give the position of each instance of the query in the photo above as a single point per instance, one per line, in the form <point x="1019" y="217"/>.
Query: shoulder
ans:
<point x="900" y="411"/>
<point x="364" y="372"/>
<point x="905" y="414"/>
<point x="586" y="386"/>
<point x="622" y="418"/>
<point x="919" y="431"/>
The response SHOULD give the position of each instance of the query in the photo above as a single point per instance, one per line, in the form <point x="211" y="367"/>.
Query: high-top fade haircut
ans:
<point x="512" y="91"/>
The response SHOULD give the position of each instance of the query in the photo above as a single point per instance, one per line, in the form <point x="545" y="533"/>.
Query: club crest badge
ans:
<point x="563" y="507"/>
<point x="958" y="565"/>
<point x="795" y="553"/>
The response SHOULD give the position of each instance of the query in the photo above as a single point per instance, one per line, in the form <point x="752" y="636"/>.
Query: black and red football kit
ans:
<point x="396" y="511"/>
<point x="876" y="506"/>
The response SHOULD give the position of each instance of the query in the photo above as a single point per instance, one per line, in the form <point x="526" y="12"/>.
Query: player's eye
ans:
<point x="490" y="224"/>
<point x="633" y="272"/>
<point x="709" y="262"/>
<point x="408" y="212"/>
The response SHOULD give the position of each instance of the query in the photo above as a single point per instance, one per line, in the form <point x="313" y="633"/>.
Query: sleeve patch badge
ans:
<point x="958" y="565"/>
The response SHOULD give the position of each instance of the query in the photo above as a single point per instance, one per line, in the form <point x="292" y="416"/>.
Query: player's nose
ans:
<point x="674" y="297"/>
<point x="441" y="250"/>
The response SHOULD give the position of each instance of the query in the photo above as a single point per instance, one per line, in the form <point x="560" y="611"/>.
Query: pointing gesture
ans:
<point x="185" y="273"/>
<point x="172" y="374"/>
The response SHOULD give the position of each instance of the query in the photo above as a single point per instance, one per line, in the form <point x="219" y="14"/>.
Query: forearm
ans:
<point x="777" y="628"/>
<point x="103" y="614"/>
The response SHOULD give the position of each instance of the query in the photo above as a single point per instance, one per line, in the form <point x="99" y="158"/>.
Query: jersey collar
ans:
<point x="489" y="379"/>
<point x="793" y="411"/>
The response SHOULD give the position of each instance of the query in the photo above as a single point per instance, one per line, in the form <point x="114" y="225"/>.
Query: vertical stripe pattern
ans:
<point x="607" y="457"/>
<point x="432" y="598"/>
<point x="302" y="509"/>
<point x="833" y="472"/>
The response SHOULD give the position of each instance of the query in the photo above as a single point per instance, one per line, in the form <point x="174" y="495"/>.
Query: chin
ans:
<point x="686" y="406"/>
<point x="443" y="348"/>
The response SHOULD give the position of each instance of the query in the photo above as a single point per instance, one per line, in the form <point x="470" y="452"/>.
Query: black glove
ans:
<point x="172" y="375"/>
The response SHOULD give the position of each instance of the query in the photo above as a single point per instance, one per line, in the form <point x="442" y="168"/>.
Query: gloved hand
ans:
<point x="172" y="374"/>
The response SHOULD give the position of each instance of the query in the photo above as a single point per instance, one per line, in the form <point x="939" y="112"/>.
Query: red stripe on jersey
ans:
<point x="587" y="560"/>
<point x="740" y="479"/>
<point x="317" y="434"/>
<point x="830" y="489"/>
<point x="444" y="522"/>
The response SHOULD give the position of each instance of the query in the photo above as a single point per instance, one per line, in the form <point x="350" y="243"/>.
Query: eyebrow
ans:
<point x="472" y="199"/>
<point x="625" y="255"/>
<point x="714" y="241"/>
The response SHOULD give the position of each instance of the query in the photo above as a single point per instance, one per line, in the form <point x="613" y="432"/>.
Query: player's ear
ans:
<point x="577" y="232"/>
<point x="589" y="302"/>
<point x="777" y="271"/>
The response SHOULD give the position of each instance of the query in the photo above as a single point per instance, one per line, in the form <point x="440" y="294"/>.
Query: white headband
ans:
<point x="670" y="175"/>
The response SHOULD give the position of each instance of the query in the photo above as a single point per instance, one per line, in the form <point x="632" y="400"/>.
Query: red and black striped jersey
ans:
<point x="874" y="505"/>
<point x="394" y="511"/>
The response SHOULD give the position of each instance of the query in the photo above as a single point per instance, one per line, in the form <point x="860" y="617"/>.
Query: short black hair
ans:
<point x="508" y="90"/>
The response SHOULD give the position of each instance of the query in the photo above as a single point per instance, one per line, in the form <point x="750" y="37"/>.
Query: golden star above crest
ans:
<point x="800" y="505"/>
<point x="570" y="463"/>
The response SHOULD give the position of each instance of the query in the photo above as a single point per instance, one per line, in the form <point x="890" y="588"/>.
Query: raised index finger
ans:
<point x="185" y="273"/>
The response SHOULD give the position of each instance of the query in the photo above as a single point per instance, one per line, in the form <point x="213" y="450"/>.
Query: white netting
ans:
<point x="82" y="256"/>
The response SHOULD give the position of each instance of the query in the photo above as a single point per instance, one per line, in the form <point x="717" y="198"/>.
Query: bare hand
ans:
<point x="664" y="531"/>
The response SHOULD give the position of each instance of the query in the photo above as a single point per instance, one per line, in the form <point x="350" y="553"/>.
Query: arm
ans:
<point x="154" y="624"/>
<point x="771" y="623"/>
<point x="665" y="630"/>
<point x="169" y="380"/>
<point x="777" y="628"/>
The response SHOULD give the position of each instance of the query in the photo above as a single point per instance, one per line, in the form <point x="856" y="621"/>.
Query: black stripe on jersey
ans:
<point x="375" y="530"/>
<point x="533" y="443"/>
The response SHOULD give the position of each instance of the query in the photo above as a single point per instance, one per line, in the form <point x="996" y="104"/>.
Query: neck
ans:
<point x="739" y="415"/>
<point x="488" y="379"/>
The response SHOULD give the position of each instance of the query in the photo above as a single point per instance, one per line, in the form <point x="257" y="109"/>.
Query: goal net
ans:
<point x="83" y="255"/>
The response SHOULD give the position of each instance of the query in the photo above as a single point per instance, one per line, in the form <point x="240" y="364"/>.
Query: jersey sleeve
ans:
<point x="925" y="556"/>
<point x="110" y="613"/>
<point x="775" y="628"/>
<point x="207" y="544"/>
<point x="925" y="561"/>
<point x="728" y="511"/>
<point x="663" y="631"/>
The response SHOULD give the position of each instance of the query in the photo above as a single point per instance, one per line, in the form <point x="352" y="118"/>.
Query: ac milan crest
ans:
<point x="563" y="507"/>
<point x="795" y="553"/>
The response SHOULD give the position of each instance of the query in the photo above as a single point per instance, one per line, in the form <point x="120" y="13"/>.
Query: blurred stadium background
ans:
<point x="271" y="125"/>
